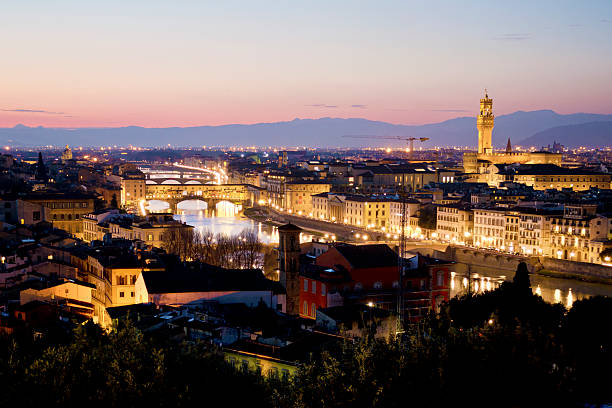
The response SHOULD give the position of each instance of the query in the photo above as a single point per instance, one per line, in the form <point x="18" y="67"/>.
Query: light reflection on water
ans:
<point x="233" y="226"/>
<point x="552" y="290"/>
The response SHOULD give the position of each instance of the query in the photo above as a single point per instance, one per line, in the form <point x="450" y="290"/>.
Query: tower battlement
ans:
<point x="476" y="162"/>
<point x="484" y="124"/>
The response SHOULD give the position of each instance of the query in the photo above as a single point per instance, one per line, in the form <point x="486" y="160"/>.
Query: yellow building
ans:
<point x="489" y="228"/>
<point x="149" y="229"/>
<point x="543" y="177"/>
<point x="395" y="217"/>
<point x="298" y="195"/>
<point x="455" y="223"/>
<point x="535" y="231"/>
<point x="64" y="210"/>
<point x="320" y="207"/>
<point x="478" y="162"/>
<point x="133" y="187"/>
<point x="287" y="193"/>
<point x="578" y="235"/>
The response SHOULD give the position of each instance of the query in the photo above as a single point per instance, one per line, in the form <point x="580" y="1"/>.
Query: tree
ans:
<point x="427" y="217"/>
<point x="521" y="277"/>
<point x="41" y="169"/>
<point x="113" y="203"/>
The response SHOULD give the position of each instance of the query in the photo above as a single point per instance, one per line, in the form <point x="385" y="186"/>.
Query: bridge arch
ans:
<point x="192" y="206"/>
<point x="157" y="206"/>
<point x="170" y="181"/>
<point x="226" y="208"/>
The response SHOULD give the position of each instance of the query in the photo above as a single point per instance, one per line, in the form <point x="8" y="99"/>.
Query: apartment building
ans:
<point x="455" y="223"/>
<point x="535" y="231"/>
<point x="150" y="229"/>
<point x="578" y="235"/>
<point x="489" y="228"/>
<point x="320" y="208"/>
<point x="133" y="187"/>
<point x="395" y="216"/>
<point x="64" y="210"/>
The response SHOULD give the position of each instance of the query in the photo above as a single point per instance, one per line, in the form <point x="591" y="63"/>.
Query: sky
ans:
<point x="187" y="63"/>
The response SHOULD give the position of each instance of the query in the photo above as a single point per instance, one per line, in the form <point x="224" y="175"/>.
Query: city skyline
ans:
<point x="157" y="64"/>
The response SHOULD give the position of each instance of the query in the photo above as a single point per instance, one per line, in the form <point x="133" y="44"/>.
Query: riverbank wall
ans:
<point x="490" y="262"/>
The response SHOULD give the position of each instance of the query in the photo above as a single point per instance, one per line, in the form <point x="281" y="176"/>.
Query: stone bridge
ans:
<point x="211" y="194"/>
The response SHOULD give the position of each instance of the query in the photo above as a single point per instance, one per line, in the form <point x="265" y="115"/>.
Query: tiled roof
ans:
<point x="368" y="256"/>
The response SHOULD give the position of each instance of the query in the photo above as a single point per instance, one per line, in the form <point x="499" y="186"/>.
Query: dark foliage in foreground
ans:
<point x="502" y="348"/>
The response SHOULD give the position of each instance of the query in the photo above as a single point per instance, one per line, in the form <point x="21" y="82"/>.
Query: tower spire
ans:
<point x="509" y="147"/>
<point x="484" y="124"/>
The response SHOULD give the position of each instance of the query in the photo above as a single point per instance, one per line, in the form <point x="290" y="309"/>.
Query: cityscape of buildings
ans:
<point x="97" y="234"/>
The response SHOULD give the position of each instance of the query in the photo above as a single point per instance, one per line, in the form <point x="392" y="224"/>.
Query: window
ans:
<point x="314" y="287"/>
<point x="121" y="294"/>
<point x="305" y="285"/>
<point x="36" y="216"/>
<point x="323" y="288"/>
<point x="313" y="310"/>
<point x="440" y="276"/>
<point x="358" y="286"/>
<point x="377" y="285"/>
<point x="305" y="308"/>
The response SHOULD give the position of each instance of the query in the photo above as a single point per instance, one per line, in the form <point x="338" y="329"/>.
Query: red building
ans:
<point x="369" y="274"/>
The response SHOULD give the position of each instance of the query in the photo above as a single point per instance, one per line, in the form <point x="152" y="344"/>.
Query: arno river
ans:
<point x="565" y="291"/>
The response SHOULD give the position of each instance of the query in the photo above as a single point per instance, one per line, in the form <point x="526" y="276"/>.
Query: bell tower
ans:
<point x="484" y="124"/>
<point x="289" y="265"/>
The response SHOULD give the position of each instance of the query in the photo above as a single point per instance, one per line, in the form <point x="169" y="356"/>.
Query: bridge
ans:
<point x="174" y="191"/>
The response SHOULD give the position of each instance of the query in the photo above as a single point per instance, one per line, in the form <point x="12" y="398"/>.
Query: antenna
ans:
<point x="401" y="266"/>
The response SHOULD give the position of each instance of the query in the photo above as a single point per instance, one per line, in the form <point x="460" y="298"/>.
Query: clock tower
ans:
<point x="484" y="123"/>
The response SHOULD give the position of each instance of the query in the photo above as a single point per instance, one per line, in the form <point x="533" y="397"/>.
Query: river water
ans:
<point x="552" y="290"/>
<point x="232" y="226"/>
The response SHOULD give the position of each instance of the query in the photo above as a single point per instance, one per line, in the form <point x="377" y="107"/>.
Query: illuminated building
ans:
<point x="477" y="163"/>
<point x="455" y="223"/>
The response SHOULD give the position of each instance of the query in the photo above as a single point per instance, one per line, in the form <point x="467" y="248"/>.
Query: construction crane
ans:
<point x="410" y="140"/>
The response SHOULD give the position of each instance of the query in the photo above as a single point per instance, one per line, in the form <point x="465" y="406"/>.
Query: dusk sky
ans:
<point x="186" y="63"/>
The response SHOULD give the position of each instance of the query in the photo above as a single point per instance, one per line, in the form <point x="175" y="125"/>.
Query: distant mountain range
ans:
<point x="590" y="134"/>
<point x="536" y="128"/>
